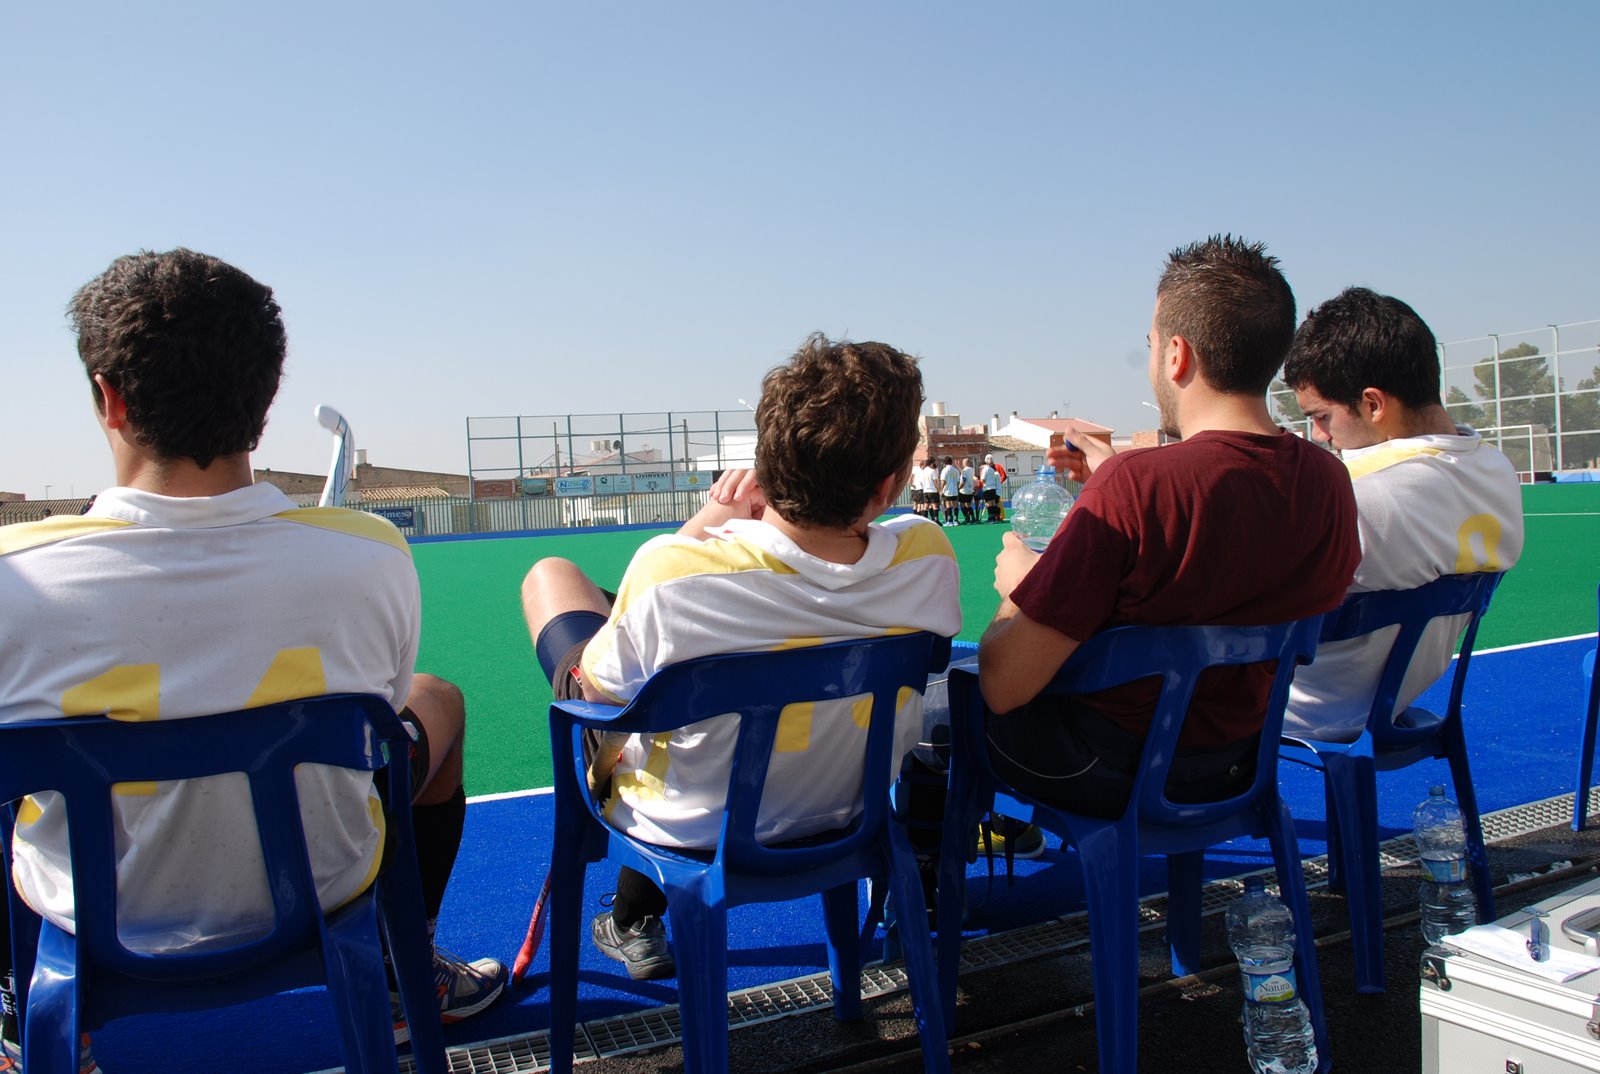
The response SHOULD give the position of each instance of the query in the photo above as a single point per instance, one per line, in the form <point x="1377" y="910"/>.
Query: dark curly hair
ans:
<point x="834" y="421"/>
<point x="1228" y="299"/>
<point x="194" y="346"/>
<point x="1360" y="339"/>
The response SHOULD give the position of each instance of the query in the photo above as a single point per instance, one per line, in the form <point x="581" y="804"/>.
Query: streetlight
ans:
<point x="747" y="406"/>
<point x="47" y="492"/>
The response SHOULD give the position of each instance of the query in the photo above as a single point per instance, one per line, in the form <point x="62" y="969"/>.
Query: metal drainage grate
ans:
<point x="606" y="1037"/>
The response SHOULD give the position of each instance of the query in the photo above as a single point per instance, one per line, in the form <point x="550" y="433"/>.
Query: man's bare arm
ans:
<point x="736" y="494"/>
<point x="1018" y="657"/>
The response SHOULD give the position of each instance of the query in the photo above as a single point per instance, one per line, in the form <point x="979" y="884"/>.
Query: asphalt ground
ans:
<point x="1038" y="1015"/>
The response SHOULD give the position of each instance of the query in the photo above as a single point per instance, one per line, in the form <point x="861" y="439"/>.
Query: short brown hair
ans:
<point x="834" y="421"/>
<point x="1228" y="299"/>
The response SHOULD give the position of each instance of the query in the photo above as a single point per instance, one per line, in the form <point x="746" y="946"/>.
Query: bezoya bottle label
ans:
<point x="1270" y="986"/>
<point x="1445" y="870"/>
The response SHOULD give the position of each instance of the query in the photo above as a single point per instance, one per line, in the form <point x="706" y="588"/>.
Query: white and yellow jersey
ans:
<point x="1427" y="506"/>
<point x="749" y="588"/>
<point x="153" y="607"/>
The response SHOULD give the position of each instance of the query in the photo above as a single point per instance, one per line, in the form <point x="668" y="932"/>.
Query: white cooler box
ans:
<point x="1483" y="1016"/>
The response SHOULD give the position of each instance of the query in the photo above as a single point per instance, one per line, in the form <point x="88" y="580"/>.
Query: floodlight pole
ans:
<point x="1498" y="423"/>
<point x="1555" y="362"/>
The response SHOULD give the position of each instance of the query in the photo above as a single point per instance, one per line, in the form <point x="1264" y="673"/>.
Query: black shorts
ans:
<point x="991" y="495"/>
<point x="1066" y="754"/>
<point x="560" y="649"/>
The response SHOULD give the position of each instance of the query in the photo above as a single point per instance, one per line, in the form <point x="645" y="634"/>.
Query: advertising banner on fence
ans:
<point x="661" y="482"/>
<point x="609" y="484"/>
<point x="691" y="481"/>
<point x="575" y="486"/>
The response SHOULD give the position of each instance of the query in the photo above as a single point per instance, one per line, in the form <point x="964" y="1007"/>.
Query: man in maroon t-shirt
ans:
<point x="1239" y="522"/>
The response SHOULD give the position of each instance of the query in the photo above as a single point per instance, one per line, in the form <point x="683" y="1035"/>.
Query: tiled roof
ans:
<point x="1012" y="443"/>
<point x="399" y="492"/>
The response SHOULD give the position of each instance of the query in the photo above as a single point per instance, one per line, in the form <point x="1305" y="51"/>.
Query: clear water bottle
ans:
<point x="1446" y="898"/>
<point x="1277" y="1027"/>
<point x="1038" y="507"/>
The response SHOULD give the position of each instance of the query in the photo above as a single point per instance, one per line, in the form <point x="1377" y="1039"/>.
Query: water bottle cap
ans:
<point x="1436" y="791"/>
<point x="1255" y="883"/>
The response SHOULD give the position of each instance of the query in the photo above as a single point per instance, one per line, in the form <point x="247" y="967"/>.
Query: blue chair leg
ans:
<point x="952" y="891"/>
<point x="917" y="944"/>
<point x="1336" y="846"/>
<point x="565" y="929"/>
<point x="55" y="999"/>
<point x="1354" y="783"/>
<point x="839" y="910"/>
<point x="1184" y="874"/>
<point x="1467" y="798"/>
<point x="1111" y="889"/>
<point x="1292" y="887"/>
<point x="1580" y="798"/>
<point x="412" y="957"/>
<point x="699" y="917"/>
<point x="352" y="957"/>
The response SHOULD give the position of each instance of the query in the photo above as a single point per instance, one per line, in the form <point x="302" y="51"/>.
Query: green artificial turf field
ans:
<point x="473" y="633"/>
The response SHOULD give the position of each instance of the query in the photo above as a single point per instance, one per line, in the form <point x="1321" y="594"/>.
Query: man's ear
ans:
<point x="1374" y="405"/>
<point x="113" y="409"/>
<point x="1179" y="359"/>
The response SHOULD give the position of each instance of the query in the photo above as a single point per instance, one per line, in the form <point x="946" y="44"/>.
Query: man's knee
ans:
<point x="549" y="577"/>
<point x="442" y="710"/>
<point x="440" y="705"/>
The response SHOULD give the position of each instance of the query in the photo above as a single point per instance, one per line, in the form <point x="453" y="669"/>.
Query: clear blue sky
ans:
<point x="502" y="208"/>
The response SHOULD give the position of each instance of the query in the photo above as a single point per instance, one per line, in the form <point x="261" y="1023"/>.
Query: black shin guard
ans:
<point x="438" y="829"/>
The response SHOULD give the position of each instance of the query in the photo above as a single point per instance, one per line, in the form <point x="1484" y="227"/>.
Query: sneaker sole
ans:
<point x="653" y="969"/>
<point x="402" y="1032"/>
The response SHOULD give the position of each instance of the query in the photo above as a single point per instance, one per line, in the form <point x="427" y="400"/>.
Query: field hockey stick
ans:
<point x="530" y="944"/>
<point x="340" y="467"/>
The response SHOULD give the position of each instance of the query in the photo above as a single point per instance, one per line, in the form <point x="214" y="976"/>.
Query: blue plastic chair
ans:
<point x="702" y="885"/>
<point x="1392" y="741"/>
<point x="72" y="983"/>
<point x="1580" y="799"/>
<point x="1109" y="850"/>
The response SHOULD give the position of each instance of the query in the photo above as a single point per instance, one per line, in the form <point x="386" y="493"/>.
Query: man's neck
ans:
<point x="1216" y="412"/>
<point x="832" y="544"/>
<point x="1432" y="420"/>
<point x="183" y="477"/>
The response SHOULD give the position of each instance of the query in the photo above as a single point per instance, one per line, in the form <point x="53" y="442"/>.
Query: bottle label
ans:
<point x="1270" y="987"/>
<point x="1445" y="870"/>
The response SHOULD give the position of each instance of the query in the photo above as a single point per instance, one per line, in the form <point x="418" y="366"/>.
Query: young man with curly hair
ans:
<point x="789" y="555"/>
<point x="187" y="590"/>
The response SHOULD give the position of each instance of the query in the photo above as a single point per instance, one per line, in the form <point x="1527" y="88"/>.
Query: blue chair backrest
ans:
<point x="83" y="756"/>
<point x="1177" y="655"/>
<point x="757" y="687"/>
<point x="1411" y="610"/>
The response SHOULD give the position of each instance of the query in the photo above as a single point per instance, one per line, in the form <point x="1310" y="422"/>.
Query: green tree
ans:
<point x="1520" y="374"/>
<point x="1580" y="411"/>
<point x="1288" y="410"/>
<point x="1463" y="411"/>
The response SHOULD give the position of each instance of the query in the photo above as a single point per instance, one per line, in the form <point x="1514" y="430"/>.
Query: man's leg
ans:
<point x="552" y="588"/>
<point x="438" y="815"/>
<point x="1056" y="751"/>
<point x="564" y="609"/>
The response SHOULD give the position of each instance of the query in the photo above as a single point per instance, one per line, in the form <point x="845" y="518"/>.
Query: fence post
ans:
<point x="1555" y="363"/>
